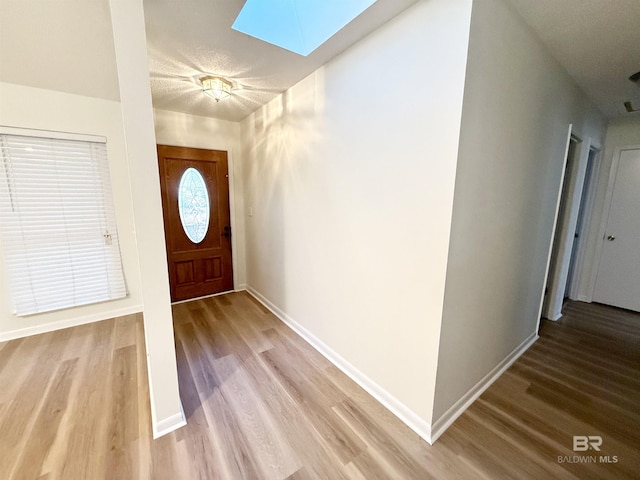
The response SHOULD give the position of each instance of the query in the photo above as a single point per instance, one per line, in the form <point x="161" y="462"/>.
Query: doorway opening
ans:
<point x="575" y="205"/>
<point x="585" y="209"/>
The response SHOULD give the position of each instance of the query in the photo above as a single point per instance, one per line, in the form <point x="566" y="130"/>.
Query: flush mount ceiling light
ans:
<point x="216" y="87"/>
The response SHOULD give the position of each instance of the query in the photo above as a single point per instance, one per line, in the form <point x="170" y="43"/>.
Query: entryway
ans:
<point x="195" y="202"/>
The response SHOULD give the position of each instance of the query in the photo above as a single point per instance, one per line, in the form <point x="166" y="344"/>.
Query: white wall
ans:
<point x="66" y="46"/>
<point x="184" y="130"/>
<point x="518" y="105"/>
<point x="622" y="131"/>
<point x="348" y="181"/>
<point x="35" y="108"/>
<point x="128" y="126"/>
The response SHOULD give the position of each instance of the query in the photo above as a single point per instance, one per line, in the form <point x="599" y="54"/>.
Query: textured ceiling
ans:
<point x="67" y="45"/>
<point x="597" y="41"/>
<point x="189" y="39"/>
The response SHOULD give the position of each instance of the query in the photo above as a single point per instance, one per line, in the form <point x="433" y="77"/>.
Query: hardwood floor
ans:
<point x="262" y="404"/>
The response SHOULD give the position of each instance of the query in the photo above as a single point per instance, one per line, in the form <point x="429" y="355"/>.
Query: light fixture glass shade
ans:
<point x="216" y="87"/>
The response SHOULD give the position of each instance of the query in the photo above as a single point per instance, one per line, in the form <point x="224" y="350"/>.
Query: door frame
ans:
<point x="555" y="280"/>
<point x="233" y="211"/>
<point x="543" y="293"/>
<point x="606" y="210"/>
<point x="577" y="282"/>
<point x="563" y="233"/>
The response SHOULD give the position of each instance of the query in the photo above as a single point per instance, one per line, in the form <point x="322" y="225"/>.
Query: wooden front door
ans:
<point x="195" y="204"/>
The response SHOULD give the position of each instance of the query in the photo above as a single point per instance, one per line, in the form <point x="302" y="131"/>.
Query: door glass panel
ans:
<point x="193" y="205"/>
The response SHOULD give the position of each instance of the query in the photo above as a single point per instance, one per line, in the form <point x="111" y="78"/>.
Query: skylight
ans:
<point x="300" y="26"/>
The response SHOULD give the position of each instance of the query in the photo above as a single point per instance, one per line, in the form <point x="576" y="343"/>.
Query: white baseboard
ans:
<point x="400" y="410"/>
<point x="72" y="322"/>
<point x="169" y="424"/>
<point x="458" y="408"/>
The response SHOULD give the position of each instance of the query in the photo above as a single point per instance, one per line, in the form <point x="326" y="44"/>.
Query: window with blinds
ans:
<point x="57" y="223"/>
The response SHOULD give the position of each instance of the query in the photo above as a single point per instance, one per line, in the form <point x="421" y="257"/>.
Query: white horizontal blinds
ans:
<point x="58" y="230"/>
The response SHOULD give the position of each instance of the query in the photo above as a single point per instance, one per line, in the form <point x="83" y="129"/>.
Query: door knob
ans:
<point x="227" y="231"/>
<point x="611" y="238"/>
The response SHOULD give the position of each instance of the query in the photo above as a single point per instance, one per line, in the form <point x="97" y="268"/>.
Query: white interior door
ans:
<point x="618" y="279"/>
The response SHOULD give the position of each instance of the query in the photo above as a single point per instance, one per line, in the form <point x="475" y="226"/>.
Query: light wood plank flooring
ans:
<point x="262" y="404"/>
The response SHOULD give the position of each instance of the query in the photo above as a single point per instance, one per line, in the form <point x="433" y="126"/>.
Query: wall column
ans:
<point x="127" y="18"/>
